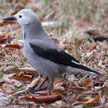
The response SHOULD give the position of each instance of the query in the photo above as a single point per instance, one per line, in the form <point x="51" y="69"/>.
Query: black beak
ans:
<point x="10" y="18"/>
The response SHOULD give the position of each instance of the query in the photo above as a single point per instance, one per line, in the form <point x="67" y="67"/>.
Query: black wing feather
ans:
<point x="59" y="57"/>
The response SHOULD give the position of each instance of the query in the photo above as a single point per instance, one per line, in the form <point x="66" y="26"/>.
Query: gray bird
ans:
<point x="42" y="53"/>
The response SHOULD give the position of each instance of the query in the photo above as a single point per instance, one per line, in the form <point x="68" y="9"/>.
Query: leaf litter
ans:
<point x="71" y="90"/>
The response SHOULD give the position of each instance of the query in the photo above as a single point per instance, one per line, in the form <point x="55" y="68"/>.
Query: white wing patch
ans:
<point x="76" y="62"/>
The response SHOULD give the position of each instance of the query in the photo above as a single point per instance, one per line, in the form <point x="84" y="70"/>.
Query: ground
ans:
<point x="78" y="27"/>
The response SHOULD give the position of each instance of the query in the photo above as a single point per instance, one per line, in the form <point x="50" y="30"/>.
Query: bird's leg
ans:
<point x="40" y="86"/>
<point x="43" y="82"/>
<point x="50" y="88"/>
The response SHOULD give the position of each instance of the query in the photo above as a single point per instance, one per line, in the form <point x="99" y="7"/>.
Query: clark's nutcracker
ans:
<point x="42" y="53"/>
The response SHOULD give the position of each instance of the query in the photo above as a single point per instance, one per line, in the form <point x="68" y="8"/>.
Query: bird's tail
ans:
<point x="85" y="70"/>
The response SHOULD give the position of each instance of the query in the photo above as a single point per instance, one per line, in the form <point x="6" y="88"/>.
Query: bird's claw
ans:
<point x="38" y="89"/>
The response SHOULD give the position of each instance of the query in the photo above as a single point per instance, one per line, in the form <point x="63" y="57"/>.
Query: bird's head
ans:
<point x="24" y="17"/>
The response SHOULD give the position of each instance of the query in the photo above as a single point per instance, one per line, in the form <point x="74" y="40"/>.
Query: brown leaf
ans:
<point x="1" y="64"/>
<point x="10" y="68"/>
<point x="87" y="93"/>
<point x="35" y="9"/>
<point x="93" y="102"/>
<point x="35" y="82"/>
<point x="2" y="57"/>
<point x="86" y="99"/>
<point x="7" y="88"/>
<point x="78" y="43"/>
<point x="42" y="99"/>
<point x="41" y="19"/>
<point x="24" y="78"/>
<point x="28" y="70"/>
<point x="77" y="89"/>
<point x="8" y="79"/>
<point x="1" y="22"/>
<point x="4" y="35"/>
<point x="13" y="46"/>
<point x="85" y="22"/>
<point x="59" y="91"/>
<point x="9" y="22"/>
<point x="17" y="101"/>
<point x="88" y="83"/>
<point x="3" y="40"/>
<point x="93" y="32"/>
<point x="6" y="50"/>
<point x="91" y="48"/>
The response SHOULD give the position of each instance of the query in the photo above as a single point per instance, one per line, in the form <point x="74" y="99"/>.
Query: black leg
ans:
<point x="50" y="88"/>
<point x="39" y="88"/>
<point x="43" y="83"/>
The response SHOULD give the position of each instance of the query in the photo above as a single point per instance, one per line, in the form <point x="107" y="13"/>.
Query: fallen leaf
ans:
<point x="9" y="22"/>
<point x="2" y="41"/>
<point x="5" y="34"/>
<point x="13" y="46"/>
<point x="88" y="83"/>
<point x="6" y="50"/>
<point x="7" y="88"/>
<point x="42" y="99"/>
<point x="59" y="92"/>
<point x="24" y="78"/>
<point x="2" y="57"/>
<point x="28" y="70"/>
<point x="10" y="68"/>
<point x="80" y="89"/>
<point x="93" y="32"/>
<point x="8" y="79"/>
<point x="35" y="82"/>
<point x="87" y="93"/>
<point x="1" y="22"/>
<point x="1" y="64"/>
<point x="93" y="101"/>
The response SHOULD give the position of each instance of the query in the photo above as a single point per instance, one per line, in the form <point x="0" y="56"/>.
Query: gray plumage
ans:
<point x="42" y="53"/>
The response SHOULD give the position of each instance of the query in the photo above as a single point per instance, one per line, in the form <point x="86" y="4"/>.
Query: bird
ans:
<point x="42" y="53"/>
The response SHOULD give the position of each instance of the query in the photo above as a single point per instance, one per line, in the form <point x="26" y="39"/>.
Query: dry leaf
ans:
<point x="7" y="88"/>
<point x="1" y="64"/>
<point x="1" y="22"/>
<point x="80" y="89"/>
<point x="8" y="79"/>
<point x="10" y="68"/>
<point x="3" y="41"/>
<point x="2" y="57"/>
<point x="93" y="102"/>
<point x="35" y="82"/>
<point x="42" y="99"/>
<point x="88" y="83"/>
<point x="59" y="92"/>
<point x="13" y="46"/>
<point x="24" y="78"/>
<point x="9" y="22"/>
<point x="28" y="70"/>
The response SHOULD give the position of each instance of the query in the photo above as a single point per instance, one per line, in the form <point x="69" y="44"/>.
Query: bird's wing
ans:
<point x="58" y="56"/>
<point x="53" y="54"/>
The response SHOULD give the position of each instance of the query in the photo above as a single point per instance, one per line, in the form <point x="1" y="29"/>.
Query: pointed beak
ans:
<point x="10" y="18"/>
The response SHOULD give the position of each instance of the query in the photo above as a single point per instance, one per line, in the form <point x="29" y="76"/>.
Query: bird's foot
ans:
<point x="38" y="89"/>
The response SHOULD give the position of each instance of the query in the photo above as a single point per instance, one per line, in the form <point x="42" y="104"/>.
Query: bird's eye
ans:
<point x="20" y="16"/>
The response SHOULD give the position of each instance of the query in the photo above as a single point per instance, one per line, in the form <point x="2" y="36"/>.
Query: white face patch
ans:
<point x="76" y="62"/>
<point x="22" y="19"/>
